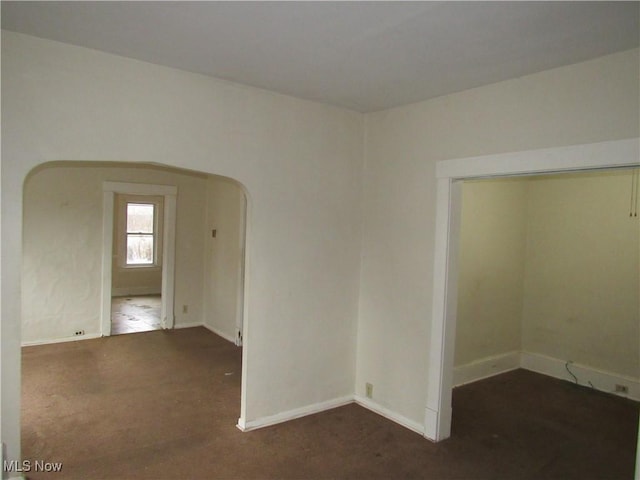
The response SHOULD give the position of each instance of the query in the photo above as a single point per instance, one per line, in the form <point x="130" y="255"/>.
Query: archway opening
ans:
<point x="66" y="312"/>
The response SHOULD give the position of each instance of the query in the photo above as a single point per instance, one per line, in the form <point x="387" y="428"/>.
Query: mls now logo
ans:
<point x="25" y="466"/>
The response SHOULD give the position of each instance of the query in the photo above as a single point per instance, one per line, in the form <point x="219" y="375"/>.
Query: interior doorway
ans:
<point x="450" y="174"/>
<point x="139" y="222"/>
<point x="136" y="279"/>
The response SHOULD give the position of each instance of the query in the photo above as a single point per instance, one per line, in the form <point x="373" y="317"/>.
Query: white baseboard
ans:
<point x="393" y="416"/>
<point x="247" y="426"/>
<point x="75" y="338"/>
<point x="187" y="325"/>
<point x="587" y="376"/>
<point x="219" y="333"/>
<point x="485" y="368"/>
<point x="133" y="291"/>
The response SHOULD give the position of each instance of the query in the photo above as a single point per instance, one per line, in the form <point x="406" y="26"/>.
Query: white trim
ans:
<point x="107" y="260"/>
<point x="241" y="273"/>
<point x="126" y="188"/>
<point x="485" y="368"/>
<point x="245" y="305"/>
<point x="637" y="475"/>
<point x="61" y="340"/>
<point x="188" y="325"/>
<point x="388" y="414"/>
<point x="134" y="291"/>
<point x="167" y="315"/>
<point x="449" y="207"/>
<point x="247" y="426"/>
<point x="229" y="338"/>
<point x="610" y="154"/>
<point x="590" y="156"/>
<point x="169" y="192"/>
<point x="600" y="379"/>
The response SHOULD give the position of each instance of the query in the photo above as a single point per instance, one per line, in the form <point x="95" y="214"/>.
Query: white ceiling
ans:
<point x="364" y="56"/>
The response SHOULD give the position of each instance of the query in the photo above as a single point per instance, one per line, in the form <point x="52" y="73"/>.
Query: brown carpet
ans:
<point x="163" y="405"/>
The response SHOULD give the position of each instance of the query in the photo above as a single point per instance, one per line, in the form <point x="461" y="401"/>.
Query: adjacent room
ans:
<point x="548" y="279"/>
<point x="548" y="282"/>
<point x="227" y="229"/>
<point x="63" y="220"/>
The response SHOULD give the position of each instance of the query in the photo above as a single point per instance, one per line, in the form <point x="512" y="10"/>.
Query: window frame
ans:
<point x="153" y="234"/>
<point x="120" y="231"/>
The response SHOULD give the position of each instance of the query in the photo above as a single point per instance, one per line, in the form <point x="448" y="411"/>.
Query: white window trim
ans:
<point x="157" y="257"/>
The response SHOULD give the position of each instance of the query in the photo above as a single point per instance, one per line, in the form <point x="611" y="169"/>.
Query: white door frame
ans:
<point x="594" y="156"/>
<point x="169" y="193"/>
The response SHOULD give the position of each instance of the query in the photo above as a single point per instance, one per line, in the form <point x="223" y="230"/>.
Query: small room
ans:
<point x="548" y="282"/>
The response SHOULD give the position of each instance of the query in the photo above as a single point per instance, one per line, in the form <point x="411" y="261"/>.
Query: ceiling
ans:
<point x="365" y="56"/>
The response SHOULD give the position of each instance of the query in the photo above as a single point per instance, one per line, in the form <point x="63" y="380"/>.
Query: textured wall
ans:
<point x="62" y="246"/>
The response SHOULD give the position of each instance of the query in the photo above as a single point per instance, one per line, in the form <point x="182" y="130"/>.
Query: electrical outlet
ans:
<point x="622" y="389"/>
<point x="78" y="332"/>
<point x="185" y="308"/>
<point x="369" y="390"/>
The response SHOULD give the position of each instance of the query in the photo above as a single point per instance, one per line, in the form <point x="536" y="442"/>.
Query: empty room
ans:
<point x="289" y="195"/>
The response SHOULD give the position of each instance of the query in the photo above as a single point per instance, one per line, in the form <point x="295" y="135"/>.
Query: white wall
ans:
<point x="491" y="268"/>
<point x="224" y="256"/>
<point x="299" y="161"/>
<point x="582" y="103"/>
<point x="582" y="281"/>
<point x="62" y="246"/>
<point x="302" y="166"/>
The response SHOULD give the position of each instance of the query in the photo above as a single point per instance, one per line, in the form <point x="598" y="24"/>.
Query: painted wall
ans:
<point x="302" y="166"/>
<point x="62" y="246"/>
<point x="145" y="280"/>
<point x="550" y="266"/>
<point x="300" y="162"/>
<point x="224" y="256"/>
<point x="582" y="103"/>
<point x="491" y="269"/>
<point x="582" y="282"/>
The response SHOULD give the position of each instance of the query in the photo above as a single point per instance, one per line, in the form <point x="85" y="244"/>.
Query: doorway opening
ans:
<point x="547" y="289"/>
<point x="138" y="248"/>
<point x="450" y="174"/>
<point x="136" y="286"/>
<point x="67" y="283"/>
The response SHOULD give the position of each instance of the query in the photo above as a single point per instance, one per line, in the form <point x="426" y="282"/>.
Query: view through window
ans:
<point x="140" y="233"/>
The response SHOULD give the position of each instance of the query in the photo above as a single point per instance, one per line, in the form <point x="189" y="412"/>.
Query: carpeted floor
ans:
<point x="163" y="405"/>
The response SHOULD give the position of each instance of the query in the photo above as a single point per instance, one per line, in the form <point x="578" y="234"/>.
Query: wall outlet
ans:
<point x="78" y="332"/>
<point x="369" y="390"/>
<point x="185" y="308"/>
<point x="622" y="389"/>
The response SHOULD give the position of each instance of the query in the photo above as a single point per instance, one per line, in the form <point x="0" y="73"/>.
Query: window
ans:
<point x="141" y="231"/>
